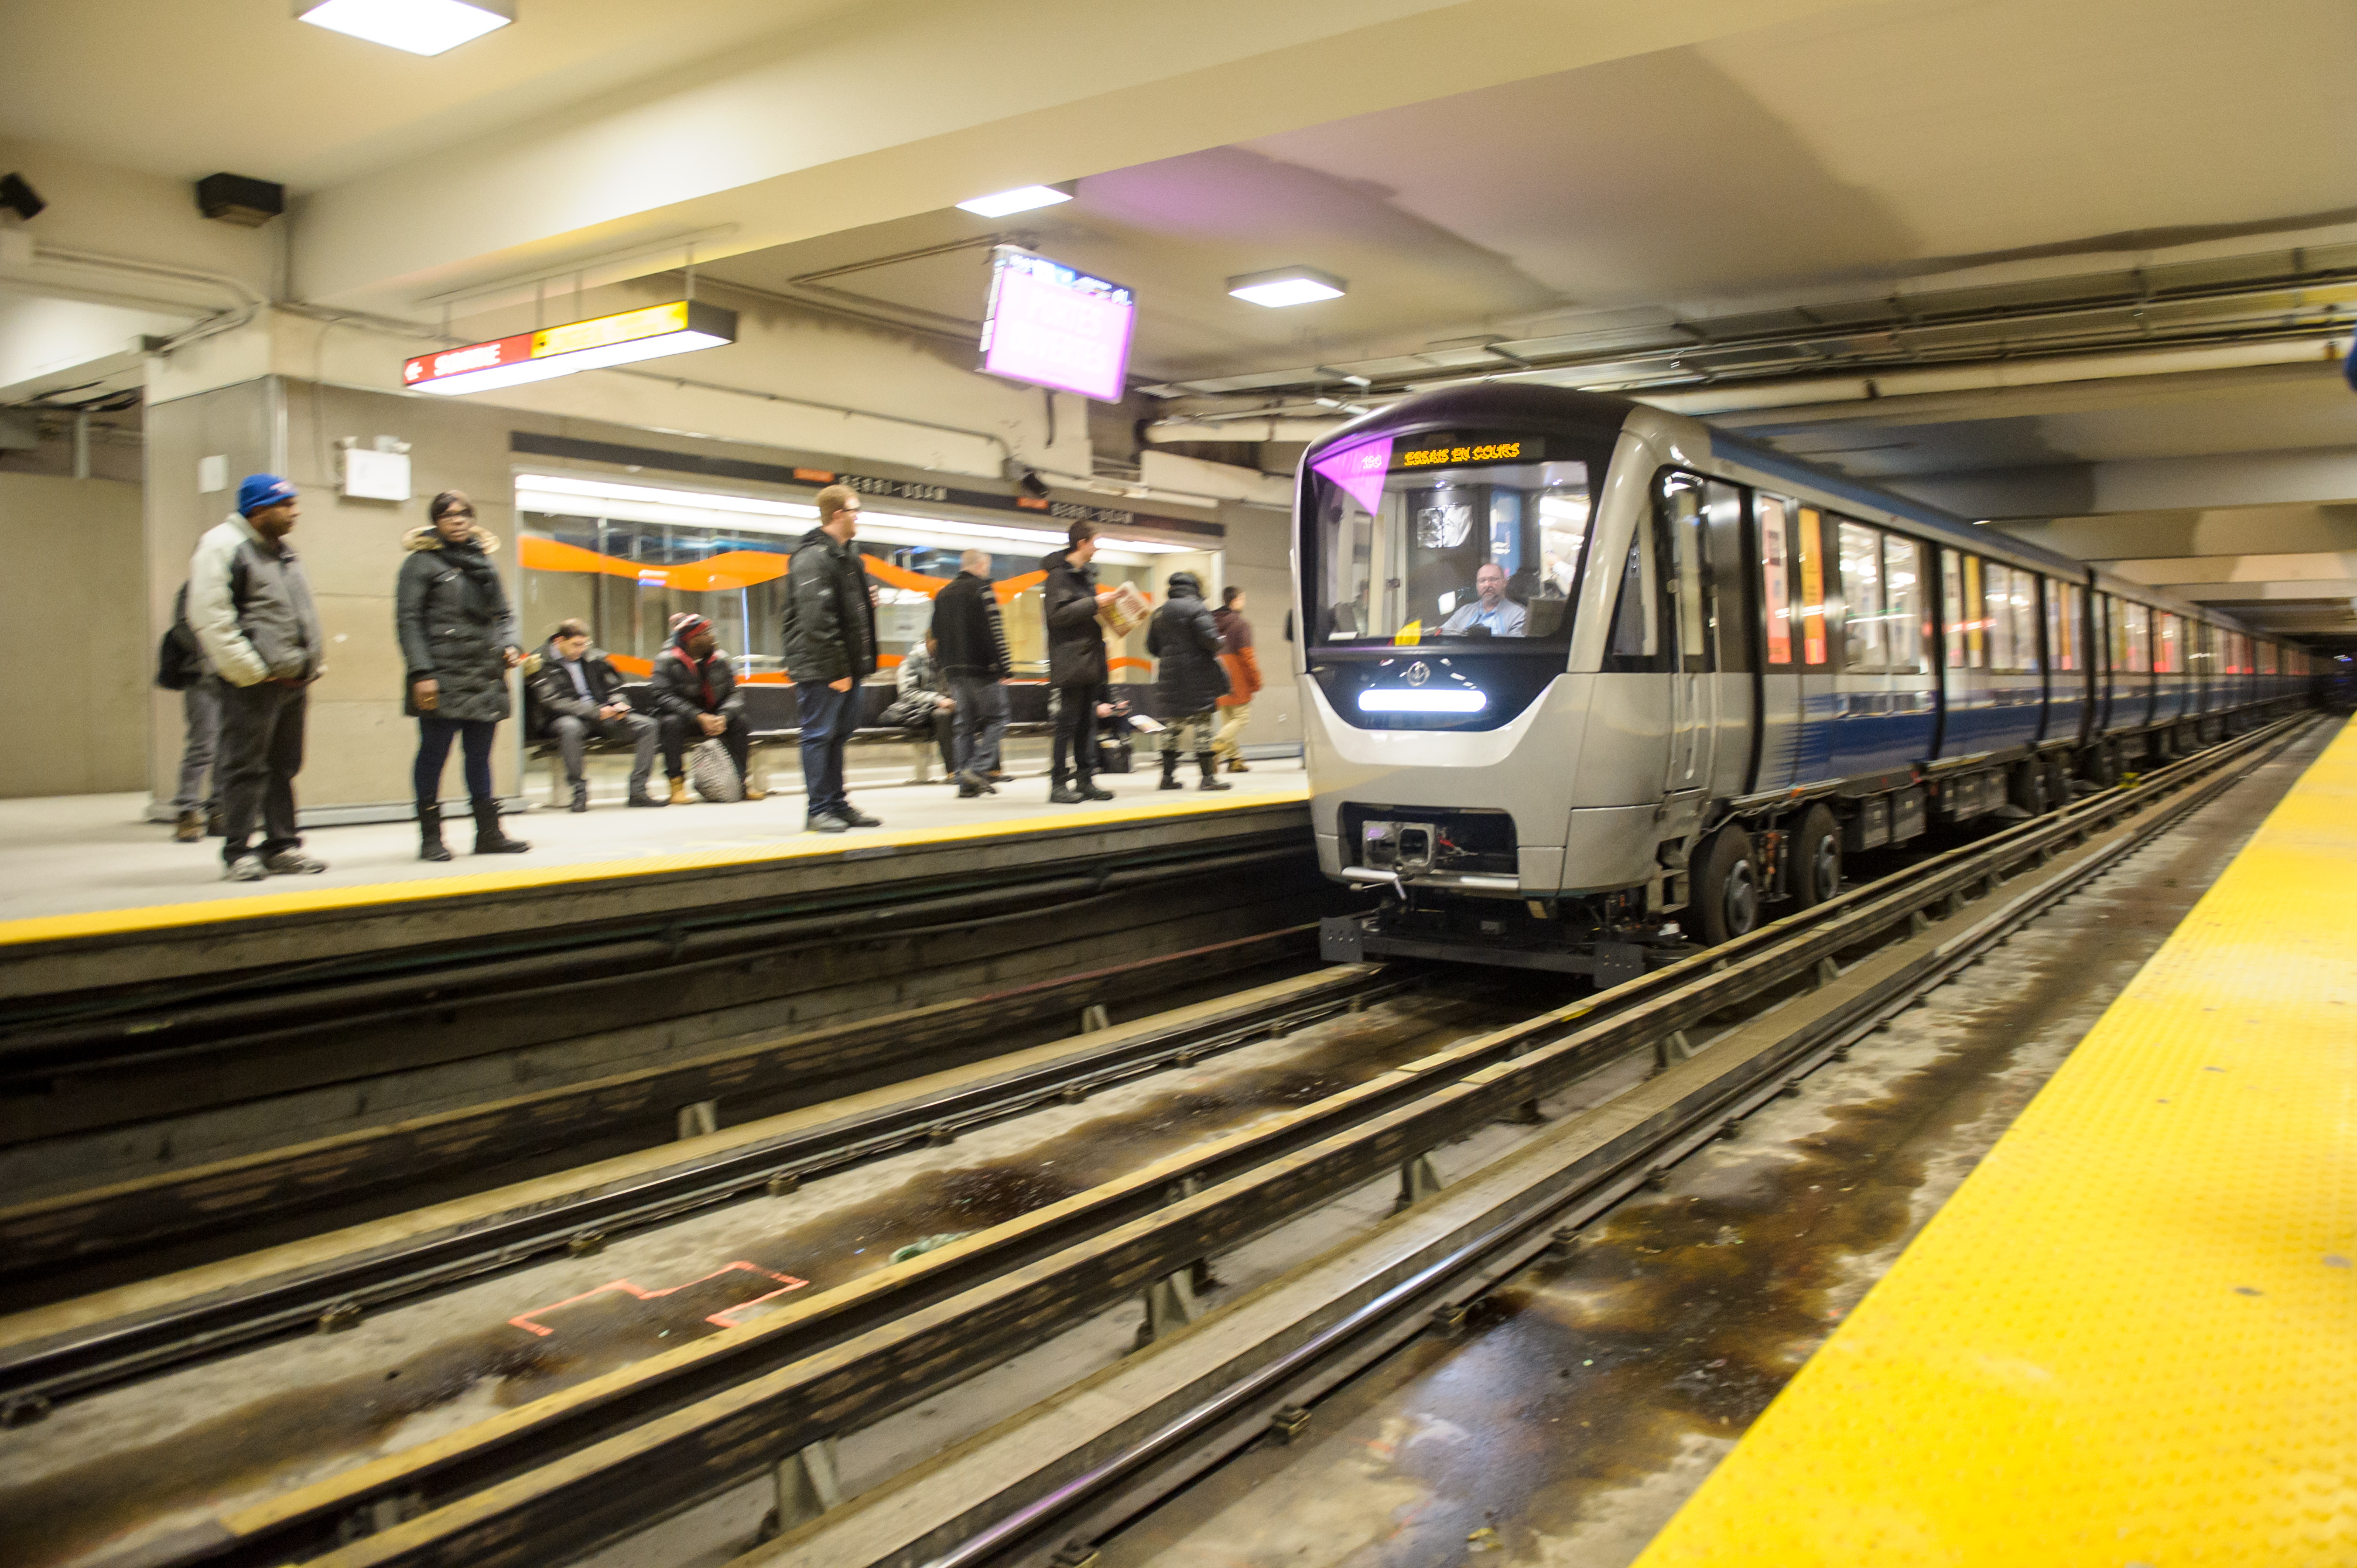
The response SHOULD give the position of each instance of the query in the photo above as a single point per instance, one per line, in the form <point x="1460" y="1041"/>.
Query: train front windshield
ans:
<point x="1447" y="538"/>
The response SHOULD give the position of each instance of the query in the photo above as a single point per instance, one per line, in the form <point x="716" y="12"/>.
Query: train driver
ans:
<point x="1491" y="609"/>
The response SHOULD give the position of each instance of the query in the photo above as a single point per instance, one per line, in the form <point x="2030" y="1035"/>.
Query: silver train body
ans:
<point x="1584" y="679"/>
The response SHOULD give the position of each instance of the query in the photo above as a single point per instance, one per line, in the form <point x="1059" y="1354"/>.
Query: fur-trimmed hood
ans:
<point x="426" y="536"/>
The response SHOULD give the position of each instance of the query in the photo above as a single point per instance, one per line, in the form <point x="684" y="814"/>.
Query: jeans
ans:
<point x="679" y="734"/>
<point x="573" y="736"/>
<point x="1228" y="743"/>
<point x="200" y="711"/>
<point x="433" y="738"/>
<point x="828" y="716"/>
<point x="261" y="752"/>
<point x="981" y="721"/>
<point x="1075" y="751"/>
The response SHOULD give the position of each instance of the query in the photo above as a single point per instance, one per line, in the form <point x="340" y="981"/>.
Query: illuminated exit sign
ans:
<point x="678" y="328"/>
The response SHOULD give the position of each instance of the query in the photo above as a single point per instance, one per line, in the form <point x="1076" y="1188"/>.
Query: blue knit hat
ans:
<point x="261" y="490"/>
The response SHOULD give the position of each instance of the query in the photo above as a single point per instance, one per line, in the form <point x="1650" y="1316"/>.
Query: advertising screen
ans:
<point x="1056" y="327"/>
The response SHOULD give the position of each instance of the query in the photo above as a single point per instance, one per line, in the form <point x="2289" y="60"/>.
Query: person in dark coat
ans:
<point x="830" y="648"/>
<point x="696" y="700"/>
<point x="970" y="636"/>
<point x="1069" y="602"/>
<point x="1188" y="682"/>
<point x="459" y="641"/>
<point x="573" y="694"/>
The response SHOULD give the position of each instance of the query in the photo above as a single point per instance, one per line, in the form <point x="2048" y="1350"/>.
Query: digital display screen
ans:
<point x="1053" y="326"/>
<point x="1446" y="450"/>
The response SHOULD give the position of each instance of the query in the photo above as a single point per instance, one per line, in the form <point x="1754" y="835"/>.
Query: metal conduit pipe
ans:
<point x="1241" y="430"/>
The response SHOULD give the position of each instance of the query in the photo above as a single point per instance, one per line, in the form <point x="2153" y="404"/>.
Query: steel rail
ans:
<point x="1123" y="1487"/>
<point x="611" y="1455"/>
<point x="335" y="1293"/>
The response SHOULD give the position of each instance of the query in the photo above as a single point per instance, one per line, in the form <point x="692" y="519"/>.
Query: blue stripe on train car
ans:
<point x="1991" y="725"/>
<point x="1881" y="732"/>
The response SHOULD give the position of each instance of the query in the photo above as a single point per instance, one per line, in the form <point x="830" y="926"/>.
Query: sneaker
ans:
<point x="859" y="819"/>
<point x="288" y="863"/>
<point x="190" y="829"/>
<point x="825" y="823"/>
<point x="244" y="868"/>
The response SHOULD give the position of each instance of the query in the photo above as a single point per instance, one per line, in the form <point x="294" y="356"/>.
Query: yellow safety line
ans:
<point x="792" y="845"/>
<point x="2131" y="1335"/>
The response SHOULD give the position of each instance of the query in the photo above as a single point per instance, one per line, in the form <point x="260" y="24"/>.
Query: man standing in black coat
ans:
<point x="1189" y="682"/>
<point x="573" y="693"/>
<point x="972" y="640"/>
<point x="1070" y="600"/>
<point x="830" y="648"/>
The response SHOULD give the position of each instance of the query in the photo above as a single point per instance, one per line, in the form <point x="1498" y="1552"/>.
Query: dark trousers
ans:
<point x="981" y="720"/>
<point x="261" y="752"/>
<point x="828" y="717"/>
<point x="434" y="737"/>
<point x="573" y="736"/>
<point x="679" y="734"/>
<point x="1075" y="750"/>
<point x="200" y="709"/>
<point x="942" y="730"/>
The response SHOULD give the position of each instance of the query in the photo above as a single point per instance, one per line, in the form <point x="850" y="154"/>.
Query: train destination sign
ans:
<point x="1457" y="449"/>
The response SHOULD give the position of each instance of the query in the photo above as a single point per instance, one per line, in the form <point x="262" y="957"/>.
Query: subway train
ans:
<point x="1586" y="683"/>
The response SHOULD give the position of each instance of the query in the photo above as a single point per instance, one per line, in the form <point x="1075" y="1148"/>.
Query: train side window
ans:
<point x="2024" y="604"/>
<point x="2065" y="609"/>
<point x="1811" y="531"/>
<point x="2168" y="647"/>
<point x="1774" y="515"/>
<point x="2268" y="662"/>
<point x="1863" y="616"/>
<point x="1996" y="588"/>
<point x="1952" y="605"/>
<point x="1976" y="616"/>
<point x="2139" y="639"/>
<point x="1634" y="643"/>
<point x="1906" y="626"/>
<point x="1682" y="519"/>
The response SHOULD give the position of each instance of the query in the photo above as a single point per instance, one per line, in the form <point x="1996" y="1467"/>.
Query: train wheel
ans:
<point x="1816" y="857"/>
<point x="1727" y="889"/>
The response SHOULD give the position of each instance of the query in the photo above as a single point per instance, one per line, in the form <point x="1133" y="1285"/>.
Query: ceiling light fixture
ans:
<point x="420" y="27"/>
<point x="1281" y="286"/>
<point x="1022" y="198"/>
<point x="592" y="345"/>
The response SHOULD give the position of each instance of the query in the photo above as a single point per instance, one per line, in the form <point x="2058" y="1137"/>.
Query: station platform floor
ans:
<point x="2129" y="1338"/>
<point x="65" y="859"/>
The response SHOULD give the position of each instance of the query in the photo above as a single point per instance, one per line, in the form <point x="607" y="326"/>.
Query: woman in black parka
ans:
<point x="458" y="640"/>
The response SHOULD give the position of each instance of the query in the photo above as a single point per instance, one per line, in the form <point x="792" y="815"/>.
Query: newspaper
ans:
<point x="1126" y="611"/>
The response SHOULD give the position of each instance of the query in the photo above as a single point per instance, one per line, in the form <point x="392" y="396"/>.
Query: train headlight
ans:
<point x="1449" y="700"/>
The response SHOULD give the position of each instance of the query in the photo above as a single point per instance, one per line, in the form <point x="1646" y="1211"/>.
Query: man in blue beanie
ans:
<point x="251" y="608"/>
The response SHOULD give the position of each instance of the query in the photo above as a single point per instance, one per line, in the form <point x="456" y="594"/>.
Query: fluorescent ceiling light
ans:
<point x="420" y="27"/>
<point x="1287" y="286"/>
<point x="602" y="342"/>
<point x="1022" y="198"/>
<point x="1380" y="699"/>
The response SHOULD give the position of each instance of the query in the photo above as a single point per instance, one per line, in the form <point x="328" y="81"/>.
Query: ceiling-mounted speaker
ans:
<point x="236" y="199"/>
<point x="19" y="197"/>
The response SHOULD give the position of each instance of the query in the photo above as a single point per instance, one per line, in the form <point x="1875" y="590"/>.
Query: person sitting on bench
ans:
<point x="572" y="695"/>
<point x="696" y="688"/>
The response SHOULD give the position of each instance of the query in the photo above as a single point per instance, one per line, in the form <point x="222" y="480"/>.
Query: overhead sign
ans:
<point x="1053" y="326"/>
<point x="618" y="339"/>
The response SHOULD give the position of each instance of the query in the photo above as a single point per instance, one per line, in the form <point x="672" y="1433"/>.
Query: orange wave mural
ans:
<point x="733" y="570"/>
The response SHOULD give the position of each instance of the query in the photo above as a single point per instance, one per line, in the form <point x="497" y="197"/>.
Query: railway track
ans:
<point x="563" y="1474"/>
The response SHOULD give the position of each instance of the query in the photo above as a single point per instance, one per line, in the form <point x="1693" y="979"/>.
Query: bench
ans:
<point x="771" y="711"/>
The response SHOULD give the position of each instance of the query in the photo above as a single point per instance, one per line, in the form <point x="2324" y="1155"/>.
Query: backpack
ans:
<point x="179" y="658"/>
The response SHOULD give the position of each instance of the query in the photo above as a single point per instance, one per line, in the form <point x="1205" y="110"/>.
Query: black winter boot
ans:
<point x="429" y="833"/>
<point x="488" y="838"/>
<point x="581" y="795"/>
<point x="1209" y="761"/>
<point x="1170" y="772"/>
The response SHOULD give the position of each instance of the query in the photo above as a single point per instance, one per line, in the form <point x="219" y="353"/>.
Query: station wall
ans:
<point x="78" y="643"/>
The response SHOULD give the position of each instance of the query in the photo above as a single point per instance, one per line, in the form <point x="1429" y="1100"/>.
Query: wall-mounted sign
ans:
<point x="1056" y="327"/>
<point x="619" y="339"/>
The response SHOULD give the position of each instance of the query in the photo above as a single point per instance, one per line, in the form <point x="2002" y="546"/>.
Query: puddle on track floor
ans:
<point x="1589" y="1399"/>
<point x="106" y="1472"/>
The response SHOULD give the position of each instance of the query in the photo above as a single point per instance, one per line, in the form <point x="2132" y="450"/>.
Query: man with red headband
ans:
<point x="697" y="700"/>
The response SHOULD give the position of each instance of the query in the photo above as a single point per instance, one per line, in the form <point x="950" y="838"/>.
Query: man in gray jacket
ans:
<point x="251" y="608"/>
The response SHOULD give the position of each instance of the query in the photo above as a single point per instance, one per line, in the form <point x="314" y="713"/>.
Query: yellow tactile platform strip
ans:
<point x="789" y="845"/>
<point x="2130" y="1338"/>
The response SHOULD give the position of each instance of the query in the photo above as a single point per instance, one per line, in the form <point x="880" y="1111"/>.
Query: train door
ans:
<point x="1701" y="523"/>
<point x="1780" y="646"/>
<point x="1734" y="641"/>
